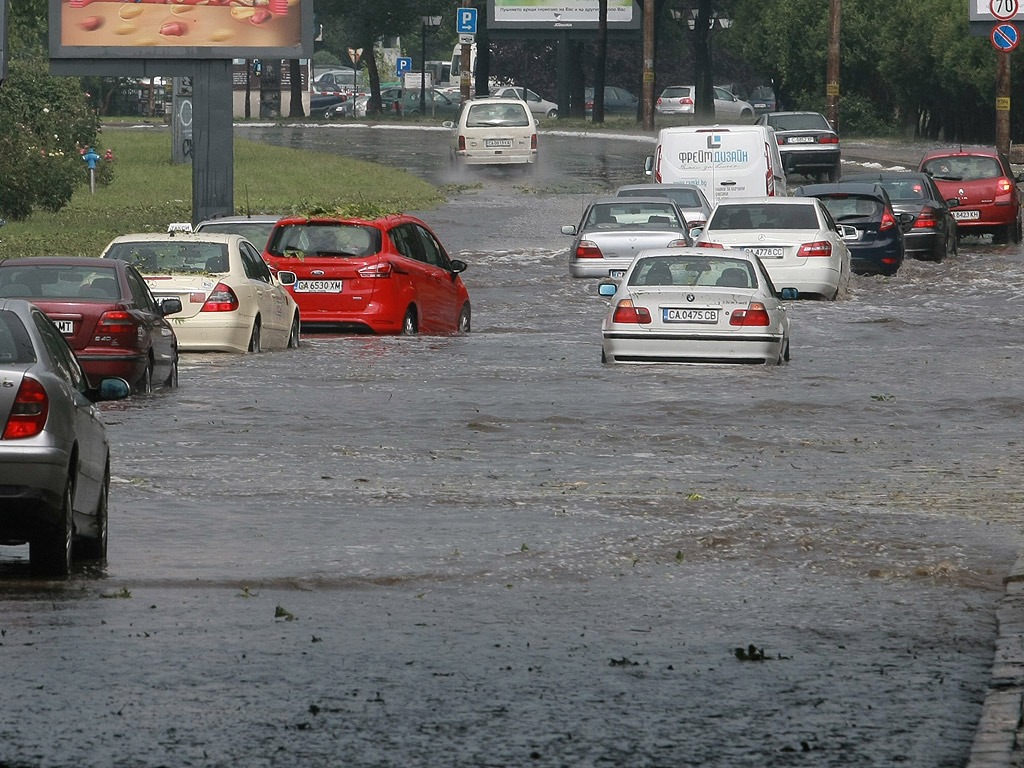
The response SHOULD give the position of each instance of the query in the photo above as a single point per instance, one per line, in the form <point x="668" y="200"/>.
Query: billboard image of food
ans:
<point x="177" y="27"/>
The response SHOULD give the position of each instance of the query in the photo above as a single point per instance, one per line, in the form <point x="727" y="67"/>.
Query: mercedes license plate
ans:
<point x="683" y="315"/>
<point x="616" y="273"/>
<point x="497" y="143"/>
<point x="801" y="140"/>
<point x="767" y="253"/>
<point x="67" y="327"/>
<point x="966" y="215"/>
<point x="318" y="286"/>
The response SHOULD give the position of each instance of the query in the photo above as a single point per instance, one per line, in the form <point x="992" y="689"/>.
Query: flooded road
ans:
<point x="492" y="550"/>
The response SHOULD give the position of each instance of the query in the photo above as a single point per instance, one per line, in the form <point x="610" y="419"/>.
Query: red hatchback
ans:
<point x="106" y="312"/>
<point x="385" y="275"/>
<point x="983" y="181"/>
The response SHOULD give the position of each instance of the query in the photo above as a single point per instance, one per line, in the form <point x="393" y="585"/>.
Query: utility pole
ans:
<point x="832" y="79"/>
<point x="1003" y="102"/>
<point x="648" y="91"/>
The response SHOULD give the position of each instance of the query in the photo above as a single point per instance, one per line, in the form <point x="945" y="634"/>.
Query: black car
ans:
<point x="807" y="143"/>
<point x="933" y="234"/>
<point x="322" y="102"/>
<point x="879" y="246"/>
<point x="617" y="101"/>
<point x="763" y="99"/>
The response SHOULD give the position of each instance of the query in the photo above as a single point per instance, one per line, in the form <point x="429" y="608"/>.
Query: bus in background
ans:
<point x="441" y="72"/>
<point x="455" y="74"/>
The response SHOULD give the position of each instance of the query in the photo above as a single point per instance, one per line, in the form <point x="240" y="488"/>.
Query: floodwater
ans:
<point x="493" y="550"/>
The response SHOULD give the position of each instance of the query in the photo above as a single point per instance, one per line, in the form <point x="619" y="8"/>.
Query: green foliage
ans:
<point x="44" y="121"/>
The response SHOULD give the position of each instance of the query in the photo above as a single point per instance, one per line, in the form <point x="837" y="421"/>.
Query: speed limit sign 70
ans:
<point x="1004" y="10"/>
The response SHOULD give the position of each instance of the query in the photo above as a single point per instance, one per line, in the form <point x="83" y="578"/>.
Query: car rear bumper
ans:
<point x="660" y="347"/>
<point x="214" y="332"/>
<point x="101" y="365"/>
<point x="882" y="258"/>
<point x="597" y="267"/>
<point x="796" y="159"/>
<point x="820" y="280"/>
<point x="32" y="480"/>
<point x="495" y="157"/>
<point x="376" y="318"/>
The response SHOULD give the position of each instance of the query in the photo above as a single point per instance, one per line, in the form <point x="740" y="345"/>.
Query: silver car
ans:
<point x="540" y="107"/>
<point x="54" y="454"/>
<point x="614" y="230"/>
<point x="695" y="305"/>
<point x="678" y="100"/>
<point x="689" y="197"/>
<point x="255" y="228"/>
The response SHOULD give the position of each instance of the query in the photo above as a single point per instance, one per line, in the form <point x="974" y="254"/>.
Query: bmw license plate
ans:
<point x="67" y="327"/>
<point x="318" y="286"/>
<point x="766" y="253"/>
<point x="683" y="315"/>
<point x="965" y="215"/>
<point x="497" y="143"/>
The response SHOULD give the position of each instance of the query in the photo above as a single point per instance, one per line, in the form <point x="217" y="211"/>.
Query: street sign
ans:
<point x="467" y="39"/>
<point x="466" y="21"/>
<point x="403" y="64"/>
<point x="1004" y="10"/>
<point x="1005" y="36"/>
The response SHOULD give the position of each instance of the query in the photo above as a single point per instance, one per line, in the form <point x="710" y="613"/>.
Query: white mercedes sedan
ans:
<point x="695" y="305"/>
<point x="797" y="240"/>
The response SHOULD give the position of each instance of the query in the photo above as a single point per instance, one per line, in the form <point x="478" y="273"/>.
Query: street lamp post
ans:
<point x="428" y="21"/>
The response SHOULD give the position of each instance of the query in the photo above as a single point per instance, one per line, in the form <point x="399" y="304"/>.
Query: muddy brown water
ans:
<point x="493" y="550"/>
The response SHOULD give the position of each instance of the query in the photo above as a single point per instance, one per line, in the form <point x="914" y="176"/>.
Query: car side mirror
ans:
<point x="569" y="229"/>
<point x="789" y="294"/>
<point x="696" y="232"/>
<point x="458" y="266"/>
<point x="607" y="288"/>
<point x="953" y="202"/>
<point x="649" y="165"/>
<point x="170" y="306"/>
<point x="286" y="277"/>
<point x="447" y="124"/>
<point x="112" y="388"/>
<point x="848" y="232"/>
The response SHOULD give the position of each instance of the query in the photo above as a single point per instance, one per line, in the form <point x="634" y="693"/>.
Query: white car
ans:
<point x="538" y="106"/>
<point x="679" y="100"/>
<point x="231" y="301"/>
<point x="695" y="305"/>
<point x="796" y="238"/>
<point x="493" y="131"/>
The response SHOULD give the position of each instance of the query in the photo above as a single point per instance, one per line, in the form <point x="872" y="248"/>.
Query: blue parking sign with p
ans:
<point x="466" y="21"/>
<point x="404" y="64"/>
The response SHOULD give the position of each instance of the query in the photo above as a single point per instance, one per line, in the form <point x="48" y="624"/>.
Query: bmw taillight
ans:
<point x="587" y="249"/>
<point x="625" y="312"/>
<point x="926" y="220"/>
<point x="705" y="244"/>
<point x="754" y="314"/>
<point x="221" y="299"/>
<point x="116" y="321"/>
<point x="817" y="248"/>
<point x="28" y="414"/>
<point x="462" y="142"/>
<point x="888" y="222"/>
<point x="380" y="269"/>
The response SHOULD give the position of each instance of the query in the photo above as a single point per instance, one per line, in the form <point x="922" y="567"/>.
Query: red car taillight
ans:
<point x="625" y="312"/>
<point x="587" y="249"/>
<point x="926" y="220"/>
<point x="888" y="222"/>
<point x="828" y="139"/>
<point x="116" y="321"/>
<point x="754" y="314"/>
<point x="221" y="299"/>
<point x="28" y="414"/>
<point x="1004" y="186"/>
<point x="818" y="248"/>
<point x="462" y="142"/>
<point x="709" y="245"/>
<point x="533" y="141"/>
<point x="380" y="269"/>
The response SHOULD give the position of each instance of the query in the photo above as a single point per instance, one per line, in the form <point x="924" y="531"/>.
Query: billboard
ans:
<point x="557" y="15"/>
<point x="180" y="29"/>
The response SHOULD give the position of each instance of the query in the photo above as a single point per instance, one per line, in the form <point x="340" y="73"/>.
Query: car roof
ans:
<point x="793" y="112"/>
<point x="692" y="250"/>
<point x="188" y="237"/>
<point x="952" y="151"/>
<point x="843" y="188"/>
<point x="633" y="200"/>
<point x="775" y="200"/>
<point x="257" y="219"/>
<point x="886" y="175"/>
<point x="494" y="99"/>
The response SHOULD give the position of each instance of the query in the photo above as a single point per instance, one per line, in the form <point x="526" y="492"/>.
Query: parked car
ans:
<point x="878" y="247"/>
<point x="339" y="79"/>
<point x="613" y="230"/>
<point x="256" y="228"/>
<point x="807" y="143"/>
<point x="985" y="187"/>
<point x="933" y="232"/>
<point x="692" y="305"/>
<point x="689" y="197"/>
<point x="493" y="131"/>
<point x="384" y="275"/>
<point x="617" y="101"/>
<point x="54" y="453"/>
<point x="324" y="102"/>
<point x="231" y="301"/>
<point x="105" y="311"/>
<point x="795" y="237"/>
<point x="436" y="102"/>
<point x="762" y="99"/>
<point x="538" y="106"/>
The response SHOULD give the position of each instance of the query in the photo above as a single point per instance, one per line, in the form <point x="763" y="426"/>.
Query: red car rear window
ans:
<point x="963" y="168"/>
<point x="324" y="239"/>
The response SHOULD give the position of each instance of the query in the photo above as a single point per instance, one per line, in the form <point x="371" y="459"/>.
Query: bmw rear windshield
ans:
<point x="324" y="239"/>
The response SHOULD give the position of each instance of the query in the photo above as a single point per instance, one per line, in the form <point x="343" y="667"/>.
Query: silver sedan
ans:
<point x="695" y="306"/>
<point x="54" y="455"/>
<point x="614" y="230"/>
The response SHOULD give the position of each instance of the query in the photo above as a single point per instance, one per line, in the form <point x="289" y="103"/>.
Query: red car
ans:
<point x="106" y="312"/>
<point x="983" y="181"/>
<point x="385" y="275"/>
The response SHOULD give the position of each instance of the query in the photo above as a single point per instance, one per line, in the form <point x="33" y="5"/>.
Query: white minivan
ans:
<point x="725" y="161"/>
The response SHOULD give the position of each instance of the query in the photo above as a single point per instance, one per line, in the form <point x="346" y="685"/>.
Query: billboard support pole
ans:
<point x="213" y="161"/>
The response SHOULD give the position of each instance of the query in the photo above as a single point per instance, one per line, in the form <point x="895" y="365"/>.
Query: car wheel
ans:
<point x="552" y="114"/>
<point x="410" y="326"/>
<point x="785" y="354"/>
<point x="172" y="378"/>
<point x="833" y="175"/>
<point x="295" y="334"/>
<point x="144" y="385"/>
<point x="1018" y="235"/>
<point x="254" y="339"/>
<point x="604" y="357"/>
<point x="95" y="548"/>
<point x="746" y="114"/>
<point x="49" y="553"/>
<point x="464" y="319"/>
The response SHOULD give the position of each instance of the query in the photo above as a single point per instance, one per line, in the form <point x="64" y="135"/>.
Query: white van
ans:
<point x="725" y="161"/>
